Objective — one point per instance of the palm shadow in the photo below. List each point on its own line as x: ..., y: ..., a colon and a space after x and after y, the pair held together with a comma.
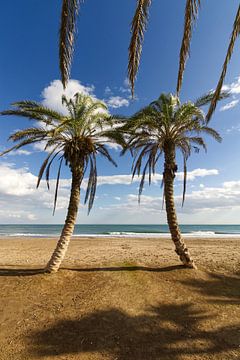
x: 127, y: 268
x: 222, y: 289
x: 21, y: 271
x: 164, y: 332
x: 29, y: 272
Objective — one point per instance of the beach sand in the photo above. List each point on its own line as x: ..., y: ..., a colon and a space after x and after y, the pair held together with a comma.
x: 120, y: 298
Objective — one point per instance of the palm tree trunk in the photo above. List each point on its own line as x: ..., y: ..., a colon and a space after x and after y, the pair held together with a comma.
x: 170, y: 169
x: 67, y: 231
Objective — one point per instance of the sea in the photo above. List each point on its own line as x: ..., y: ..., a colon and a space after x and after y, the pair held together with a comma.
x: 154, y: 231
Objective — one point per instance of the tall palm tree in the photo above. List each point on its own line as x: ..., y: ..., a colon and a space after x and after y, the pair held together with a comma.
x: 161, y: 129
x: 77, y: 139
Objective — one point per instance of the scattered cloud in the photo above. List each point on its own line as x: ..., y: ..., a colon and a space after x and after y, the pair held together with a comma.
x: 52, y: 94
x: 117, y: 102
x: 126, y: 83
x: 229, y: 105
x: 209, y: 200
x: 21, y: 201
x: 128, y: 180
x: 234, y: 87
x: 108, y: 91
x: 234, y: 128
x: 19, y: 152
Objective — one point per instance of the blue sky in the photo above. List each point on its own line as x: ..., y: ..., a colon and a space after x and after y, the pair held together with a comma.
x: 29, y: 70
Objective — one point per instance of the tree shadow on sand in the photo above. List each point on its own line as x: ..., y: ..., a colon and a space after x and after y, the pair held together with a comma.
x: 222, y: 289
x: 20, y: 271
x: 33, y: 271
x: 165, y: 332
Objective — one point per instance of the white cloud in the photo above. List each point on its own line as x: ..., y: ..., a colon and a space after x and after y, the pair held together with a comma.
x: 107, y: 91
x: 117, y: 102
x: 22, y: 202
x: 229, y: 105
x: 234, y: 128
x: 208, y: 203
x: 127, y: 179
x: 126, y: 83
x: 234, y: 87
x: 52, y: 94
x: 19, y: 152
x: 124, y: 90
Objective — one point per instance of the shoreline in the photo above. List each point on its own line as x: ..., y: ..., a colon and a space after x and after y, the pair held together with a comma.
x: 163, y: 236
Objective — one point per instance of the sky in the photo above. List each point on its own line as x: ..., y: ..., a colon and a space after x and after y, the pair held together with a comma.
x: 29, y: 71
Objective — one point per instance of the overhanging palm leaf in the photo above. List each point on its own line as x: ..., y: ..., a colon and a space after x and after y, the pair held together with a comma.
x: 138, y: 28
x: 70, y: 10
x: 235, y: 34
x: 191, y: 12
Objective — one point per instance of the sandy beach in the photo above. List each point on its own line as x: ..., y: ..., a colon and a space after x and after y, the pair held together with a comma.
x: 216, y: 254
x: 119, y: 298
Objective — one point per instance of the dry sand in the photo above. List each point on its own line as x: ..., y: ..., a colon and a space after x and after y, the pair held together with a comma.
x: 210, y: 254
x: 125, y: 299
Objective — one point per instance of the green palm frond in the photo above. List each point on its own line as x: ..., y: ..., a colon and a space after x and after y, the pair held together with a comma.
x: 235, y: 34
x: 138, y: 28
x: 208, y: 97
x: 165, y: 124
x: 191, y: 12
x: 76, y: 138
x: 69, y: 14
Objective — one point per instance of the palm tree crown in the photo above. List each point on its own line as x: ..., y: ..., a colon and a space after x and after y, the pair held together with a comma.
x: 76, y: 137
x: 164, y: 127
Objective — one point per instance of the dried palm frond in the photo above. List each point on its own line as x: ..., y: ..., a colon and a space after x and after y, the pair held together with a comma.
x: 69, y: 14
x: 235, y: 34
x: 138, y: 28
x: 191, y: 12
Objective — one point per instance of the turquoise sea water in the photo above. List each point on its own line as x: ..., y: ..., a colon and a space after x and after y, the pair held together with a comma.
x: 120, y: 230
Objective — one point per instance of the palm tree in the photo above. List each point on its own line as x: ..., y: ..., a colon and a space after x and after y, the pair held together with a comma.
x: 161, y: 129
x: 77, y: 139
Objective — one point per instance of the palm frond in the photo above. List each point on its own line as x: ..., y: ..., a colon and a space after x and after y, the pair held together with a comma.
x: 138, y: 28
x: 44, y: 164
x: 208, y: 97
x: 69, y: 14
x: 191, y: 12
x: 184, y: 179
x: 57, y: 185
x: 92, y: 183
x: 235, y: 34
